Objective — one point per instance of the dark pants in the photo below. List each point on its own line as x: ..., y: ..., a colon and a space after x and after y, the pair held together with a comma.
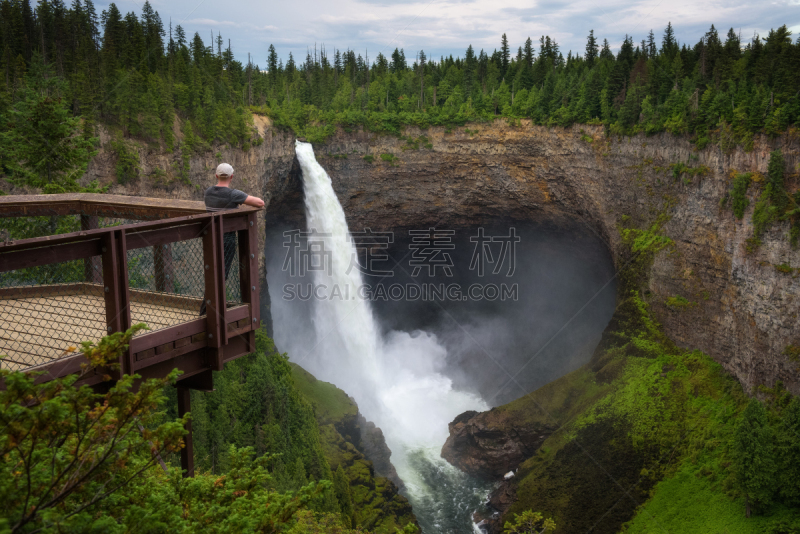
x: 229, y: 244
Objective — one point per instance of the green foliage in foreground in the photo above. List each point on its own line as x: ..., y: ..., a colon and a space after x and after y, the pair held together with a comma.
x: 65, y: 449
x: 255, y: 403
x: 529, y: 522
x: 75, y: 460
x: 281, y: 412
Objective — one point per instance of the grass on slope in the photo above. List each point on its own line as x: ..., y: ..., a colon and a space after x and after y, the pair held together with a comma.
x: 690, y: 503
x: 330, y: 403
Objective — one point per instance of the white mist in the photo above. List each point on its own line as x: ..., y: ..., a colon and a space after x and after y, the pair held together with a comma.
x: 396, y: 380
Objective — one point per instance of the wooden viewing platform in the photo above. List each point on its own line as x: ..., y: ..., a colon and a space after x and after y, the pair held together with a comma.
x: 130, y: 260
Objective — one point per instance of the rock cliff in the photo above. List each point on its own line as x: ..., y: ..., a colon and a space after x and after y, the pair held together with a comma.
x: 743, y: 311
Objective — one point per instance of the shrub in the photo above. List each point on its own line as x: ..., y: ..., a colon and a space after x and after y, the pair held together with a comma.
x: 764, y: 213
x: 754, y: 457
x: 65, y: 448
x: 679, y: 303
x: 75, y: 460
x: 390, y: 158
x: 751, y: 244
x: 792, y: 352
x: 738, y: 194
x: 127, y: 166
x: 529, y: 522
x: 679, y: 169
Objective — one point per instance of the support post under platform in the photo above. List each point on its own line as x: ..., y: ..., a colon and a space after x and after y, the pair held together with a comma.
x: 187, y: 453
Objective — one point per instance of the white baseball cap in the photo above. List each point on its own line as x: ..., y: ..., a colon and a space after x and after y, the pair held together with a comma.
x: 223, y: 169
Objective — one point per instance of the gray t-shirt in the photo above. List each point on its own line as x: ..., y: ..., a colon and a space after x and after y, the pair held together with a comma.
x: 223, y: 198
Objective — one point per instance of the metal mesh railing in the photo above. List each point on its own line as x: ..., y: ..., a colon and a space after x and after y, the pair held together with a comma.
x: 167, y: 282
x: 14, y: 228
x: 46, y: 311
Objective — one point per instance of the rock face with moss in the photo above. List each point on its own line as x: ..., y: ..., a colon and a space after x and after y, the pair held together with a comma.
x: 478, y: 446
x: 374, y: 447
x: 356, y: 446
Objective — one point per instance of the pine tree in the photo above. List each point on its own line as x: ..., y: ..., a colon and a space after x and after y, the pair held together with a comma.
x: 652, y: 50
x: 421, y: 67
x: 669, y: 46
x: 272, y: 61
x: 605, y: 52
x: 527, y: 53
x: 398, y: 61
x: 341, y: 487
x: 505, y: 53
x: 755, y: 457
x: 775, y: 172
x: 470, y: 66
x: 290, y: 65
x: 591, y: 49
x: 789, y: 453
x: 44, y: 145
x: 180, y: 36
x: 337, y: 62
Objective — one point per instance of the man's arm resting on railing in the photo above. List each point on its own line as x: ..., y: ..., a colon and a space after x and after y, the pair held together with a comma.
x: 254, y: 201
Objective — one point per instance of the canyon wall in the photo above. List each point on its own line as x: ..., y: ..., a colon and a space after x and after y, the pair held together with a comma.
x: 743, y: 311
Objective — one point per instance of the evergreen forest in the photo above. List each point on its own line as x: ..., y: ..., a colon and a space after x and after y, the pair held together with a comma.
x: 139, y: 74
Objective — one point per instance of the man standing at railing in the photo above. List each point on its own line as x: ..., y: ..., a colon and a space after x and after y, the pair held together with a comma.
x: 222, y: 197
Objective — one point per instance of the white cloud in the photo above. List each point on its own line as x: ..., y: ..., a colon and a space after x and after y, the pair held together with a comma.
x: 211, y: 22
x: 442, y: 27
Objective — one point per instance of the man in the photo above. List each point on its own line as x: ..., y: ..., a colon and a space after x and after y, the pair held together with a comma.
x: 221, y: 197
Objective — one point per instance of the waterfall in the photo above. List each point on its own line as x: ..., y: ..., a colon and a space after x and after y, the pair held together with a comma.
x: 396, y: 379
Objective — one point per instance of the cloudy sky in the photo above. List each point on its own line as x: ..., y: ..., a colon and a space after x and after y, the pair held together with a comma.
x: 443, y: 27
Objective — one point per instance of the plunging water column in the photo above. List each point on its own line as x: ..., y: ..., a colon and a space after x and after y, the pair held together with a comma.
x: 395, y: 379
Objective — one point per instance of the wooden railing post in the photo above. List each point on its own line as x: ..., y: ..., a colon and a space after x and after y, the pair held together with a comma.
x: 91, y: 266
x: 248, y: 273
x: 215, y: 307
x: 115, y: 289
x: 222, y: 286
